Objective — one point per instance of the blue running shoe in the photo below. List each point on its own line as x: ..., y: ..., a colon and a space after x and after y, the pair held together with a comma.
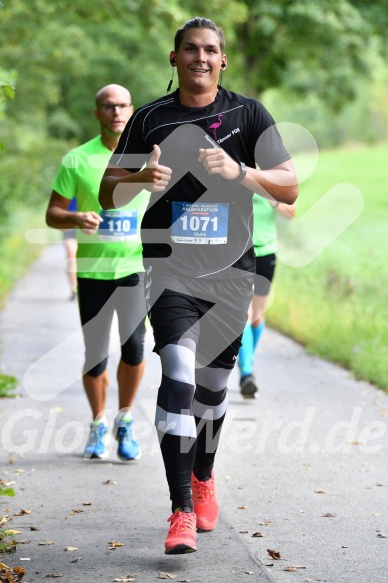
x: 96, y: 447
x: 128, y: 448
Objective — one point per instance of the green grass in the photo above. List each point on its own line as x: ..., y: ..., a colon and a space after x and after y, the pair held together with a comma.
x: 7, y: 545
x: 336, y: 305
x: 7, y: 386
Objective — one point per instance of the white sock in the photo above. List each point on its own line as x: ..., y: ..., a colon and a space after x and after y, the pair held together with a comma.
x: 100, y: 420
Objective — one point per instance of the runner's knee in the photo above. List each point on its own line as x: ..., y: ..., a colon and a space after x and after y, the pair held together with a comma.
x: 97, y: 370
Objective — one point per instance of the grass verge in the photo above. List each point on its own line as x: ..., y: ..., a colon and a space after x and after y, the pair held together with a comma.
x: 335, y: 304
x: 7, y: 386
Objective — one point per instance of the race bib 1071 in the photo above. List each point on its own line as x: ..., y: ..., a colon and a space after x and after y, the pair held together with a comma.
x: 199, y: 223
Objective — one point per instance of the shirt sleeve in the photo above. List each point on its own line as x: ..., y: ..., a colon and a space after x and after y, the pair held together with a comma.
x: 65, y: 182
x: 131, y: 153
x: 268, y: 147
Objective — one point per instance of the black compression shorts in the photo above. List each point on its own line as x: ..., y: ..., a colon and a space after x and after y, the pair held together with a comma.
x: 211, y: 312
x: 98, y: 300
x: 265, y: 269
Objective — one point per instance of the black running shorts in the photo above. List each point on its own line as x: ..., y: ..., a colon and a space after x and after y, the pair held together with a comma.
x: 211, y: 312
x: 265, y: 269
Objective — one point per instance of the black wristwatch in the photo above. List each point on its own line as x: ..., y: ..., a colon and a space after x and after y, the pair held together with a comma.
x: 243, y: 172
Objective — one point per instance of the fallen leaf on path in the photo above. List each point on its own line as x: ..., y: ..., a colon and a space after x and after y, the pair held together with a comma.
x: 241, y: 507
x: 344, y: 547
x: 257, y: 534
x: 35, y: 528
x: 11, y: 575
x: 265, y: 522
x: 3, y: 520
x: 320, y: 491
x: 163, y: 575
x: 53, y: 575
x: 86, y: 503
x: 47, y: 542
x: 382, y: 535
x: 11, y: 531
x: 110, y: 482
x: 274, y: 554
x: 124, y: 579
x: 328, y: 515
x: 113, y: 544
x: 76, y: 560
x: 243, y: 532
x: 249, y: 572
x: 23, y: 512
x: 70, y: 549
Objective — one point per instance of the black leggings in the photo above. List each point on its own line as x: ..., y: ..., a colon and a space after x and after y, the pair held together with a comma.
x: 191, y: 408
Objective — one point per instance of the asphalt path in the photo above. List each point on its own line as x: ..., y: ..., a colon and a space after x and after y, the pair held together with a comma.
x: 301, y: 471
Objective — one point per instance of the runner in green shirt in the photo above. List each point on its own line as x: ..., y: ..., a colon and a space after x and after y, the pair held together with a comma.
x: 265, y: 245
x: 110, y: 272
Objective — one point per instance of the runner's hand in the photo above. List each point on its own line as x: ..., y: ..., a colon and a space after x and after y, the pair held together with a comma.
x: 89, y: 222
x: 155, y: 176
x: 217, y: 161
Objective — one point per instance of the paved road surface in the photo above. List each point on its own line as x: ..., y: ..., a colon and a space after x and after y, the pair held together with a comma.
x: 305, y: 464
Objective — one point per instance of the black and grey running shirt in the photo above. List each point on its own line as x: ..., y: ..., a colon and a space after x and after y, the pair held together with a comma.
x: 202, y: 224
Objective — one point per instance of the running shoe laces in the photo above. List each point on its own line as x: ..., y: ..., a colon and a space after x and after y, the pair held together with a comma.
x: 98, y: 440
x: 182, y: 536
x: 128, y: 447
x: 205, y: 502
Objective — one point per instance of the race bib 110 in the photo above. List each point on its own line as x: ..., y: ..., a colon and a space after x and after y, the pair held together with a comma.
x: 118, y: 225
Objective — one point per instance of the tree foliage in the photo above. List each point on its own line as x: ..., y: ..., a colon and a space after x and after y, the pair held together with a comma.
x: 7, y: 90
x: 309, y: 47
x: 63, y: 53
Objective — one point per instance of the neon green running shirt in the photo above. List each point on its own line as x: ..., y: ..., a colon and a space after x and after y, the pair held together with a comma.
x: 264, y: 227
x: 115, y: 250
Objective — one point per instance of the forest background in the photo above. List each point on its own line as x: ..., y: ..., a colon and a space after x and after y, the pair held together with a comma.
x: 319, y: 64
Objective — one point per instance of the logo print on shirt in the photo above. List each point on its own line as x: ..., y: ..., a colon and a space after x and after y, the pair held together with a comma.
x: 216, y: 125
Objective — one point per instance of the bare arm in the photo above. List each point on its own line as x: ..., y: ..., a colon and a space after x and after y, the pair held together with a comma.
x: 278, y: 183
x: 119, y: 186
x: 288, y: 211
x: 58, y: 217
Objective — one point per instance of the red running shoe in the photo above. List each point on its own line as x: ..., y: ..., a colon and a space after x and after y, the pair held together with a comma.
x: 205, y: 502
x: 182, y: 536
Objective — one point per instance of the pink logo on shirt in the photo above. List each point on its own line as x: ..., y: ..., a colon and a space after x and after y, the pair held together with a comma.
x: 216, y: 125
